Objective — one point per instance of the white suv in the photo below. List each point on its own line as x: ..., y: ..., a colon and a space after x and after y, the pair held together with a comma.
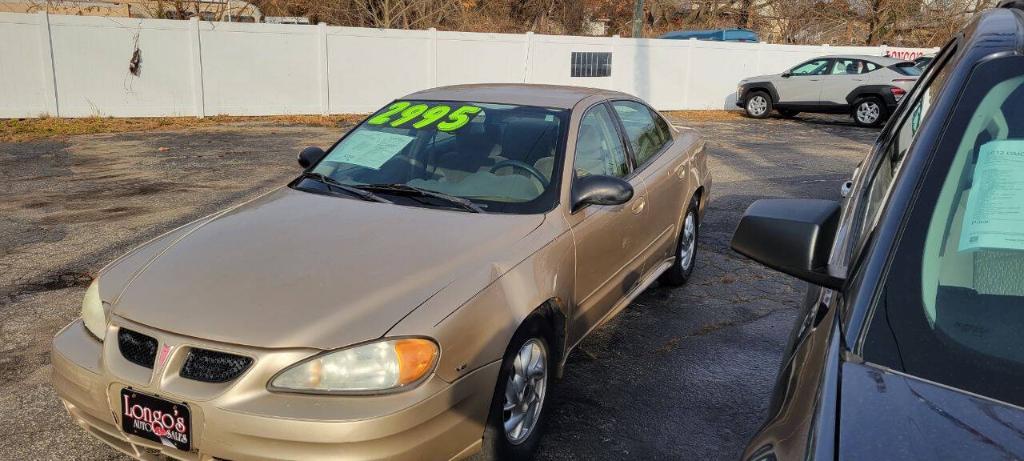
x: 866, y: 87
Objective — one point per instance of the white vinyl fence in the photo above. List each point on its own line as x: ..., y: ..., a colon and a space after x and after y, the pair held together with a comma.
x: 78, y: 66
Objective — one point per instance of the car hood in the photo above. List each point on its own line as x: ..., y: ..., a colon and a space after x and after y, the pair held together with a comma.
x: 887, y: 415
x: 294, y: 269
x: 761, y: 78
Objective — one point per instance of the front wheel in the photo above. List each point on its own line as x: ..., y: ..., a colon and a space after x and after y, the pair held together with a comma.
x: 518, y: 408
x: 870, y: 112
x: 759, y: 105
x: 686, y: 250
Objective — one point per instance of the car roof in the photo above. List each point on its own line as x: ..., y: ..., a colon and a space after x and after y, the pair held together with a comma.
x: 993, y: 31
x: 523, y: 94
x: 880, y: 60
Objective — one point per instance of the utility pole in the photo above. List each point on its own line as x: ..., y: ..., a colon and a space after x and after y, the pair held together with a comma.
x: 638, y: 19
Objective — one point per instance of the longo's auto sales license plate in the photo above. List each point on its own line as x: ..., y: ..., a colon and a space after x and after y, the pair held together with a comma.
x: 156, y: 419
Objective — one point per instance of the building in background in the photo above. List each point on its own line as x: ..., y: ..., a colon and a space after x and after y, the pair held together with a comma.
x: 286, y: 20
x: 596, y: 27
x: 206, y: 10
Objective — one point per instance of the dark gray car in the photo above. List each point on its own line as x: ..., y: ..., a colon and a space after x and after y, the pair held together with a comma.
x: 910, y: 345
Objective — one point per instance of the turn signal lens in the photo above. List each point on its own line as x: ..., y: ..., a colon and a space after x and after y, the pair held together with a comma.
x: 415, y: 358
x: 374, y: 367
x: 93, y: 314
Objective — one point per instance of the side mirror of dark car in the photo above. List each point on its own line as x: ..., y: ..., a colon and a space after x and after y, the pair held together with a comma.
x: 600, y: 190
x: 793, y: 236
x: 310, y: 155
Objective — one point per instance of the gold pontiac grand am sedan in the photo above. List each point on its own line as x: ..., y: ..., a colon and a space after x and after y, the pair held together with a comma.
x: 411, y: 295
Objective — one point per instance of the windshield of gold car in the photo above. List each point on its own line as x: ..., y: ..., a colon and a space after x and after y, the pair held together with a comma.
x: 494, y: 158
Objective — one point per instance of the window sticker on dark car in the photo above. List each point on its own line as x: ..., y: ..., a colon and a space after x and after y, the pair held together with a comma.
x: 994, y: 218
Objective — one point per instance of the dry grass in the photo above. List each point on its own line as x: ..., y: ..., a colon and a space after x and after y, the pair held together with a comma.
x: 19, y: 130
x: 704, y: 115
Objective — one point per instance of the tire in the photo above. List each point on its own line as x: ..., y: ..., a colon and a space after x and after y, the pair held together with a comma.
x: 682, y: 265
x: 788, y: 113
x: 499, y: 444
x: 759, y: 104
x: 870, y: 112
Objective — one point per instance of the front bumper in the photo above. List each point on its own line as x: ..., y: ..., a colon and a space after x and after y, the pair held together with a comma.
x: 242, y: 420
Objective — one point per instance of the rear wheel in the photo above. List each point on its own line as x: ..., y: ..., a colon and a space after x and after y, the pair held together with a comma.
x: 870, y: 112
x: 518, y: 409
x: 759, y: 104
x: 686, y: 250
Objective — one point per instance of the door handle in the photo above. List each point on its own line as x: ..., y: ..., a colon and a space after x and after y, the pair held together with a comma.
x: 638, y: 207
x: 679, y: 171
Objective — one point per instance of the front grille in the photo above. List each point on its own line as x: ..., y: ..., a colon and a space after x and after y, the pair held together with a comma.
x: 137, y: 347
x: 212, y: 366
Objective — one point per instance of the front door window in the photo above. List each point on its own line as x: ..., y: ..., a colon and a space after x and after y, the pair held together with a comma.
x: 816, y: 67
x: 599, y: 148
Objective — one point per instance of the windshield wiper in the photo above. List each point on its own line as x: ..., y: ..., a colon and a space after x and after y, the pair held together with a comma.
x: 405, y: 189
x: 332, y: 184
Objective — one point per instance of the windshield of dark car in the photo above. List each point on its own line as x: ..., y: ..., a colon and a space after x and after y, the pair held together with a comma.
x: 501, y: 157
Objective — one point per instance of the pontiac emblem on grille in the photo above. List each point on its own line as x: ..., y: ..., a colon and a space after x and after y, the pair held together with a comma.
x: 164, y: 352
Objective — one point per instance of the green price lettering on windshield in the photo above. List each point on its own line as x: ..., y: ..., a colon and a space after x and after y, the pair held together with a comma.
x: 434, y: 114
x: 428, y: 115
x: 410, y: 113
x: 385, y: 116
x: 459, y: 118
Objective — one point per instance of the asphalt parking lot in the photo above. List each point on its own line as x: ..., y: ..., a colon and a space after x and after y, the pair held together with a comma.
x: 680, y: 374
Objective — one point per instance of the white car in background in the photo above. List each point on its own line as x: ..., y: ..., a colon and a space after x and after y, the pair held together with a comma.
x: 866, y: 87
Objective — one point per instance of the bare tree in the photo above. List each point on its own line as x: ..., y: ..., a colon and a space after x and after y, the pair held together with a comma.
x: 860, y: 22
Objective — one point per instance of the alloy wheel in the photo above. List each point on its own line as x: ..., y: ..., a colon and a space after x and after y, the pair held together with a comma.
x: 525, y: 390
x: 868, y: 112
x: 689, y: 243
x: 758, y: 105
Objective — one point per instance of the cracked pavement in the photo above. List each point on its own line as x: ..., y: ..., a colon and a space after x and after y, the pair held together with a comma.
x: 680, y: 374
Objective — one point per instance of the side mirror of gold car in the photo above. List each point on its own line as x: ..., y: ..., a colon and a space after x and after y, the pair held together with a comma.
x: 600, y: 190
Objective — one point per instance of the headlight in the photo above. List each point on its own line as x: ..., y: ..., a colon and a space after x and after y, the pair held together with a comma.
x: 92, y: 311
x: 374, y: 367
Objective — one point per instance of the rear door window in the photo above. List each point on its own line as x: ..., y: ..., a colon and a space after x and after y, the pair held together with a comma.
x: 646, y: 131
x: 906, y: 68
x: 848, y: 67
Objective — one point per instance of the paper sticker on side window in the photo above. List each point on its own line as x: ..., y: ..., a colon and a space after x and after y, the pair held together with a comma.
x: 994, y: 218
x: 370, y: 149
